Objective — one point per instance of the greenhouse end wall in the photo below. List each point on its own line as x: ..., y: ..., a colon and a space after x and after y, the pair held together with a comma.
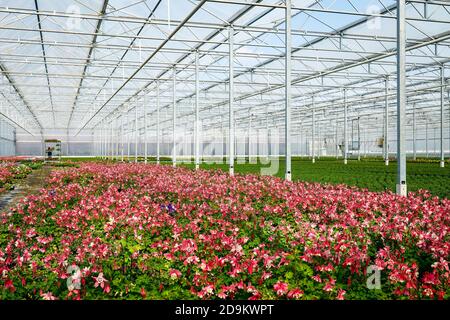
x: 87, y: 145
x: 29, y: 145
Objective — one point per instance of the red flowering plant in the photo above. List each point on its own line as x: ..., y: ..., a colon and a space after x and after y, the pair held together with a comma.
x: 140, y: 231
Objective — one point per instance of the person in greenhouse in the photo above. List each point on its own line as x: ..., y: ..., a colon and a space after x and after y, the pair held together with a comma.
x: 49, y: 152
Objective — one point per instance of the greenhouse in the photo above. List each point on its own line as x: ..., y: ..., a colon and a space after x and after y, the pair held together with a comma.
x: 224, y: 149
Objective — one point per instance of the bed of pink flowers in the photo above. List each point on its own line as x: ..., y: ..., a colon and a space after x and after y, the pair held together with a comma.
x: 10, y: 170
x: 133, y: 231
x: 5, y: 173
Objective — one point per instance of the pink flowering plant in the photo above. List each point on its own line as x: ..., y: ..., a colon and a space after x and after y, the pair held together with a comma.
x: 11, y: 170
x: 140, y: 231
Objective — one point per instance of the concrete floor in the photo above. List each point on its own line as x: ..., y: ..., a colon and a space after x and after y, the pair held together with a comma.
x: 28, y: 186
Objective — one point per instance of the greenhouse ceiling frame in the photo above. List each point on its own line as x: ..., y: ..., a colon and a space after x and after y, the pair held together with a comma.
x: 225, y: 67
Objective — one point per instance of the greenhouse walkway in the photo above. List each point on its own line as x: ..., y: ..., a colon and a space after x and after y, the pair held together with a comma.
x: 30, y: 185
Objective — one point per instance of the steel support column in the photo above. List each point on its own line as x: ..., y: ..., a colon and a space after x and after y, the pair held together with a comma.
x: 174, y: 118
x: 250, y: 140
x: 197, y: 120
x: 111, y: 139
x: 313, y: 132
x: 359, y: 139
x: 157, y: 123
x: 386, y: 121
x: 401, y: 187
x: 288, y: 83
x: 136, y: 131
x: 267, y: 136
x: 121, y: 136
x: 117, y: 138
x: 128, y: 135
x: 414, y: 133
x: 145, y: 128
x: 442, y: 162
x: 345, y: 128
x: 426, y: 137
x: 100, y: 140
x: 336, y: 139
x: 231, y: 123
x: 106, y: 140
x: 103, y: 140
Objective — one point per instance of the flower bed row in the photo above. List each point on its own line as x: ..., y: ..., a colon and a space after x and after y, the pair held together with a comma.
x: 10, y: 171
x: 132, y: 231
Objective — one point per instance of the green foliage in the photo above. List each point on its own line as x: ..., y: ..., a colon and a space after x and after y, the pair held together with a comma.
x: 34, y: 165
x: 65, y: 164
x: 371, y: 173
